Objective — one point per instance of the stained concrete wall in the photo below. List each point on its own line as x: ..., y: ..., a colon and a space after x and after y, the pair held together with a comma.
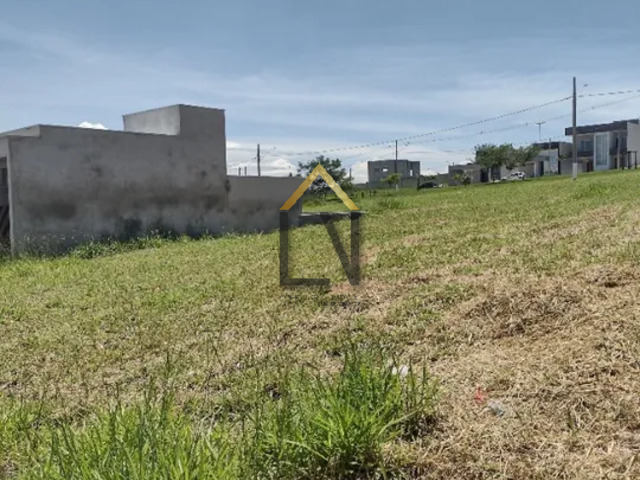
x: 166, y: 171
x: 71, y: 185
x: 474, y: 172
x: 189, y: 122
x: 33, y: 131
x: 4, y: 155
x: 566, y: 166
x: 633, y: 142
x: 162, y: 121
x: 4, y: 189
x: 378, y: 170
x: 254, y: 202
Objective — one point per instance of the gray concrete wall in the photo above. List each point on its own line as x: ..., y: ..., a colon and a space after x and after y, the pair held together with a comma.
x: 566, y: 166
x: 254, y: 202
x: 528, y: 169
x: 4, y: 155
x: 72, y: 185
x: 187, y: 121
x: 4, y: 189
x: 564, y: 149
x: 442, y: 178
x: 162, y: 121
x: 406, y: 168
x: 633, y: 142
x: 4, y: 147
x: 33, y: 131
x: 166, y: 172
x: 472, y: 171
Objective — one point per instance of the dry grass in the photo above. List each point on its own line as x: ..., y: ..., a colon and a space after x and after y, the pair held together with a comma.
x: 527, y: 292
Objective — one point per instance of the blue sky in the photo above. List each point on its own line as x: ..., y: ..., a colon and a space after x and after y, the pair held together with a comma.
x: 301, y: 76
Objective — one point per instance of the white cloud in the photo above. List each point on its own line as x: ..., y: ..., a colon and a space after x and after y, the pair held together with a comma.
x: 96, y: 126
x: 359, y: 172
x: 338, y: 106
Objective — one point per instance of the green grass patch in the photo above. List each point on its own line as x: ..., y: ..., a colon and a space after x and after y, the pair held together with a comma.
x: 83, y: 332
x: 309, y: 424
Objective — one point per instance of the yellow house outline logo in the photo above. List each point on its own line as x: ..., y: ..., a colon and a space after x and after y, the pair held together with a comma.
x: 319, y: 171
x: 351, y: 265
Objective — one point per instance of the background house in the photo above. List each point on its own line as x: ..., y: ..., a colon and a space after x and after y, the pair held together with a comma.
x: 550, y: 158
x: 378, y: 170
x: 607, y: 146
x: 165, y: 171
x: 477, y: 173
x: 553, y: 158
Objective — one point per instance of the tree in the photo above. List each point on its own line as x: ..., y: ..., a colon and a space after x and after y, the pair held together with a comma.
x: 521, y: 156
x: 492, y: 157
x: 462, y: 178
x: 393, y: 179
x: 333, y: 168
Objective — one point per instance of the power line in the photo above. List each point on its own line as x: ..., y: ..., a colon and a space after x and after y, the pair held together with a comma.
x: 528, y: 124
x: 434, y: 132
x: 603, y: 94
x: 388, y: 144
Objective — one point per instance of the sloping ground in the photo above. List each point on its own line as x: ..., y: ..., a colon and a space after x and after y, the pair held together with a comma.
x: 521, y: 298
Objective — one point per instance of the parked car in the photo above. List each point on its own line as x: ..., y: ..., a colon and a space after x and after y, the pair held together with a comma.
x: 514, y: 176
x: 429, y: 185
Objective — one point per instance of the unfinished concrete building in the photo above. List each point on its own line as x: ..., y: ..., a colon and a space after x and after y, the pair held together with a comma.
x: 166, y: 171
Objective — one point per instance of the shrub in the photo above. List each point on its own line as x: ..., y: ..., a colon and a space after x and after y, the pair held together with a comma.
x: 336, y: 427
x: 313, y: 425
x: 145, y: 442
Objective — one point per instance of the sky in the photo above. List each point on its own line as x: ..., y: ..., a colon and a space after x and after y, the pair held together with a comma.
x: 304, y: 78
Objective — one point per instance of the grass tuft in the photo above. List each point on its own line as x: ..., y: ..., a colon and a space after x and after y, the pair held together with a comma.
x: 314, y: 425
x: 337, y: 427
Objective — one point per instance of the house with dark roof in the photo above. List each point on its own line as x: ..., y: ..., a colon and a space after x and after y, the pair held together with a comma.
x: 607, y: 146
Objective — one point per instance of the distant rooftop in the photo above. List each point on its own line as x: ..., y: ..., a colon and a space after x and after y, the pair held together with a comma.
x: 389, y: 160
x: 549, y: 145
x: 602, y: 127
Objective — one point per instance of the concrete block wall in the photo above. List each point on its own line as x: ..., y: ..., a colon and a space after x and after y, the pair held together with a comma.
x: 633, y: 142
x: 378, y: 170
x: 4, y: 188
x: 254, y: 202
x: 72, y: 185
x: 166, y: 171
x: 161, y: 121
x: 566, y: 166
x: 4, y: 147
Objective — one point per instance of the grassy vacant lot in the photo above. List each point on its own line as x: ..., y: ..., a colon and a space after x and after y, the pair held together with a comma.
x: 522, y: 296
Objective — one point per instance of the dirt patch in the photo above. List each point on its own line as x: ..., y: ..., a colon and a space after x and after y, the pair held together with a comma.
x: 610, y: 276
x: 369, y: 255
x: 557, y: 361
x: 534, y: 309
x: 412, y: 240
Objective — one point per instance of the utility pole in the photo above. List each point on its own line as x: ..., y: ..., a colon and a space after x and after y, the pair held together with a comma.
x: 396, y: 164
x: 539, y: 130
x: 349, y: 173
x: 575, y: 130
x: 258, y: 158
